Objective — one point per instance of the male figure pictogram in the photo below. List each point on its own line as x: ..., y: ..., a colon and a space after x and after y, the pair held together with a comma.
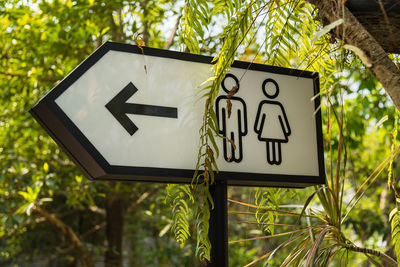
x: 232, y: 119
x: 271, y: 123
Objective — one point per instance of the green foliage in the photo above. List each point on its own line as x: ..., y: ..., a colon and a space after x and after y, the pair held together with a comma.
x: 394, y: 216
x: 42, y: 41
x: 178, y: 196
x: 271, y: 198
x: 292, y: 41
x: 394, y: 219
x: 202, y: 217
x: 392, y: 148
x: 194, y: 19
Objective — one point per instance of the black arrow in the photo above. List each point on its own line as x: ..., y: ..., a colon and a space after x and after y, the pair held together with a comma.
x: 119, y: 108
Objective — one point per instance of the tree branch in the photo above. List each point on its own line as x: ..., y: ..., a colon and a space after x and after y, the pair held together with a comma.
x: 25, y: 224
x: 10, y: 74
x: 170, y: 41
x: 146, y: 34
x: 85, y: 256
x: 379, y: 254
x: 145, y: 195
x: 352, y: 32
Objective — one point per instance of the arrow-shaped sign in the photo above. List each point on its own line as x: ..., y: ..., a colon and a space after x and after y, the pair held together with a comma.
x: 119, y: 108
x: 90, y: 112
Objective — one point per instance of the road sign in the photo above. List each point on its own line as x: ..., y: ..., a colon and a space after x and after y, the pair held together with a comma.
x: 129, y: 114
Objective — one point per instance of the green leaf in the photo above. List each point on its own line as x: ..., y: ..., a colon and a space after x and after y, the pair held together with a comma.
x: 176, y: 197
x: 46, y: 167
x: 212, y: 139
x: 22, y: 209
x: 394, y: 219
x: 308, y: 202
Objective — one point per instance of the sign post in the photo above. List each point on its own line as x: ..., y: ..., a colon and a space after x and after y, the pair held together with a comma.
x: 129, y: 113
x: 218, y: 231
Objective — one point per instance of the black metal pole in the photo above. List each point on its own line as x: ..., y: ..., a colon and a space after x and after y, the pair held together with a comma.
x: 218, y: 231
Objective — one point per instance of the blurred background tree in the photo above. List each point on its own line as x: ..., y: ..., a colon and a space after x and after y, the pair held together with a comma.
x: 53, y: 216
x: 50, y: 214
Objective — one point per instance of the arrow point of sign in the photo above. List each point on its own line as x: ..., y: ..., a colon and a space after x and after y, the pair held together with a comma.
x: 117, y: 108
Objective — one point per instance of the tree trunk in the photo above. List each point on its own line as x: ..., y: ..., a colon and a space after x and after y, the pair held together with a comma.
x: 353, y: 33
x: 114, y: 228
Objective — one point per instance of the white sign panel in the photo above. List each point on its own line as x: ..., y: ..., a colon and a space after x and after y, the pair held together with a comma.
x: 128, y: 114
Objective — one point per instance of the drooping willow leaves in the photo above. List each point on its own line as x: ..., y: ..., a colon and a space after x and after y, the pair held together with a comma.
x: 284, y: 28
x: 241, y: 18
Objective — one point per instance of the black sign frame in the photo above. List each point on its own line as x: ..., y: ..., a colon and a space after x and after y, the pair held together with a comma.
x: 95, y: 166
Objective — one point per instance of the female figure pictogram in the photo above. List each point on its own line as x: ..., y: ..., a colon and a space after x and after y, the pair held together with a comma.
x: 271, y: 123
x: 232, y: 120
